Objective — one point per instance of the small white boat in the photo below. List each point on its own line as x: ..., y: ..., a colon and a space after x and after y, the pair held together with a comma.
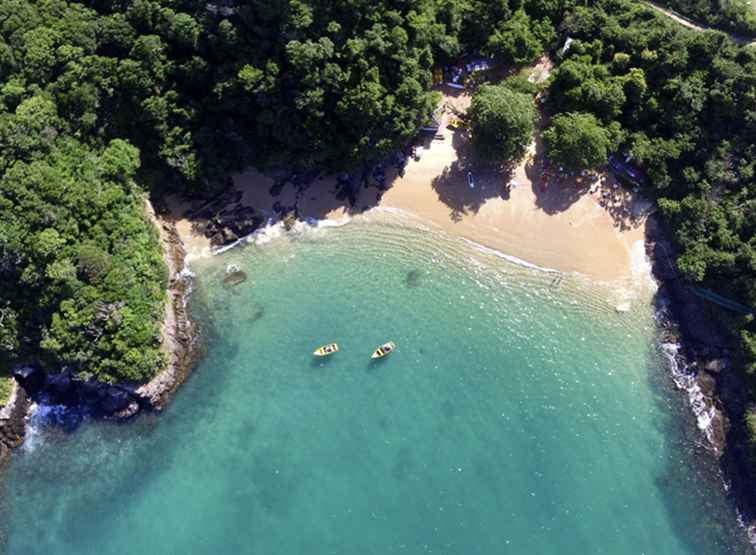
x: 470, y: 180
x: 326, y: 350
x: 384, y: 350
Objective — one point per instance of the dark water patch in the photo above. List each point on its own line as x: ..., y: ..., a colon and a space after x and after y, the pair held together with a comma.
x: 413, y: 278
x: 448, y: 409
x: 256, y: 313
x: 274, y: 489
x: 383, y: 423
x: 403, y: 465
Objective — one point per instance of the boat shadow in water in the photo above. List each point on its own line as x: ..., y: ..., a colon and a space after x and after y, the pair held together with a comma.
x: 376, y: 363
x: 320, y: 362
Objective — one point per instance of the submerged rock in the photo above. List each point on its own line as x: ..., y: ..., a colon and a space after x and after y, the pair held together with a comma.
x: 235, y: 278
x: 412, y: 279
x: 289, y: 220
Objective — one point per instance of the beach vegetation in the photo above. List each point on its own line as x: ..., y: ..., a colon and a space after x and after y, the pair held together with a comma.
x: 6, y: 387
x: 577, y: 141
x: 502, y: 121
x: 520, y: 39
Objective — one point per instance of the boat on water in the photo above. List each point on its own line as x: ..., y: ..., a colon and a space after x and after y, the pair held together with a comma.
x: 326, y: 350
x: 384, y: 350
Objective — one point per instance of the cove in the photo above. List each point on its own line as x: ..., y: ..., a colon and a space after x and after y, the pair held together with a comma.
x: 519, y: 414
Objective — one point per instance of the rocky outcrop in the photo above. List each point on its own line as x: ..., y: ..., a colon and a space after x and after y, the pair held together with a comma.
x: 225, y: 219
x: 703, y: 363
x: 65, y: 388
x: 12, y: 423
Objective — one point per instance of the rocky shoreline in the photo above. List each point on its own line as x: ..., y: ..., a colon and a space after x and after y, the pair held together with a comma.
x: 12, y: 423
x: 703, y: 363
x: 179, y: 332
x: 121, y: 401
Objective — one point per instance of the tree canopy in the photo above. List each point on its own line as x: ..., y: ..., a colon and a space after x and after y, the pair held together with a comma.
x: 577, y: 141
x: 501, y: 122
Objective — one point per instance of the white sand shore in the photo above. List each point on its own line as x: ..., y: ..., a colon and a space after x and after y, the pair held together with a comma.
x: 562, y: 226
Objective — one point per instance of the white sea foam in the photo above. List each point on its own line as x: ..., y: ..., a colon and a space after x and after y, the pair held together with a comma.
x: 326, y: 222
x: 32, y: 436
x: 186, y: 272
x: 702, y: 407
x: 509, y: 257
x: 640, y: 266
x: 275, y: 229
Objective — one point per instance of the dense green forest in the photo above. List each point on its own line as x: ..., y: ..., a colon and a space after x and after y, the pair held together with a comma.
x: 100, y: 100
x: 733, y: 16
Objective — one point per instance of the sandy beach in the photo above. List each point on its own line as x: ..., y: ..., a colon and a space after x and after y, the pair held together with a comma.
x: 586, y: 224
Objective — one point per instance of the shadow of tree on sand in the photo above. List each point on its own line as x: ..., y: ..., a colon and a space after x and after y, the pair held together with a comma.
x: 452, y: 187
x: 556, y: 191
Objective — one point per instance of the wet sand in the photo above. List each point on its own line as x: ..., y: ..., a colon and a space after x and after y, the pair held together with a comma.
x: 556, y: 223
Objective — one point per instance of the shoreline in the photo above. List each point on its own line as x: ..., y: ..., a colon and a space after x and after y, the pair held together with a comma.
x: 587, y: 224
x: 179, y: 334
x: 702, y: 364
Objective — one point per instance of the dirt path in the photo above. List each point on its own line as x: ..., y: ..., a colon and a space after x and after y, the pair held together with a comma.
x: 695, y: 26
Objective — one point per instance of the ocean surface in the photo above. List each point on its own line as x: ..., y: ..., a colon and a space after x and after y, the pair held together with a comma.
x: 521, y: 413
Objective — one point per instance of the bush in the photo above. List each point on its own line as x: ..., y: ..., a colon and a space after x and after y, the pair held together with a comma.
x: 502, y: 122
x: 577, y: 141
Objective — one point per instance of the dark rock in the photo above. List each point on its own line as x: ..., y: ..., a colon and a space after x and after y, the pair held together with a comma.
x: 30, y: 377
x: 715, y: 365
x: 229, y: 236
x: 115, y: 399
x: 235, y: 278
x: 707, y: 383
x: 245, y: 226
x: 289, y: 220
x: 217, y: 240
x: 61, y: 389
x: 91, y: 392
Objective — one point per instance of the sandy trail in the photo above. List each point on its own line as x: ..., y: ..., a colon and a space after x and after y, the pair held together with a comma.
x: 682, y: 20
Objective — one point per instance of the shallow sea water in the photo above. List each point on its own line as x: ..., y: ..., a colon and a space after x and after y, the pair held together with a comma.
x: 516, y: 416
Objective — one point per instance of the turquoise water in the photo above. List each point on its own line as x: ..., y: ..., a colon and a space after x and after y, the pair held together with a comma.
x: 514, y: 417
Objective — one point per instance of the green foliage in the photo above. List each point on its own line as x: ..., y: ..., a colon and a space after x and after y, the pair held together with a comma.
x: 750, y: 421
x: 520, y: 40
x: 6, y: 388
x: 501, y: 121
x: 519, y: 83
x: 86, y: 284
x: 577, y: 141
